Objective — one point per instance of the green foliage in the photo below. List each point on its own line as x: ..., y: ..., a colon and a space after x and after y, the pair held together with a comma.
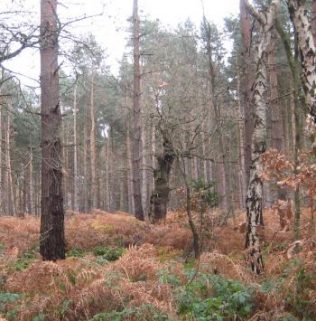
x: 107, y: 253
x: 288, y: 318
x: 24, y: 260
x: 39, y: 317
x: 213, y: 298
x: 65, y: 306
x: 7, y: 300
x: 205, y: 192
x: 299, y: 299
x: 145, y: 312
x: 166, y: 277
x: 75, y: 252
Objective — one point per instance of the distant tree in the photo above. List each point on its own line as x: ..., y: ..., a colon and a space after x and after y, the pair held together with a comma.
x: 136, y: 132
x: 52, y: 238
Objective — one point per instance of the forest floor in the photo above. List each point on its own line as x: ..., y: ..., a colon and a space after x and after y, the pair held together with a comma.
x: 118, y: 268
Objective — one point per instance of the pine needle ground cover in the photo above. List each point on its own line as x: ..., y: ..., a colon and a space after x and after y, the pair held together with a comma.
x: 118, y: 268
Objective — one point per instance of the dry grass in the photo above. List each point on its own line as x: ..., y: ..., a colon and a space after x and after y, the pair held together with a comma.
x: 78, y: 288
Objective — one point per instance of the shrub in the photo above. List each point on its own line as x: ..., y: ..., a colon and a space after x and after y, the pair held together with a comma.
x: 145, y: 312
x: 75, y: 252
x: 108, y: 254
x: 213, y: 298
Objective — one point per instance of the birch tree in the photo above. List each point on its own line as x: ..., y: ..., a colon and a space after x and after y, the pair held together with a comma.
x: 254, y: 200
x: 303, y: 29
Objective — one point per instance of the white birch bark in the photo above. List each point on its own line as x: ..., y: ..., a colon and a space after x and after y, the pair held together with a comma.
x: 303, y: 28
x: 254, y: 198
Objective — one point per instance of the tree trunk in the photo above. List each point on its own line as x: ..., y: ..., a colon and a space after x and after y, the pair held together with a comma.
x: 131, y: 207
x: 160, y: 195
x: 314, y: 21
x: 224, y: 170
x: 276, y: 116
x: 303, y: 29
x: 11, y: 209
x: 76, y: 178
x: 136, y: 152
x: 86, y: 175
x: 241, y: 136
x: 1, y: 177
x: 93, y: 146
x: 31, y: 183
x: 254, y: 199
x: 52, y: 238
x: 246, y: 83
x: 144, y: 179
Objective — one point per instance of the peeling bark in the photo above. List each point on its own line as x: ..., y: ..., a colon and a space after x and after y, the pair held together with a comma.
x: 254, y: 198
x: 303, y: 29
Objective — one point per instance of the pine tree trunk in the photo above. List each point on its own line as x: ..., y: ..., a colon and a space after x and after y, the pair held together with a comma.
x: 254, y: 201
x: 276, y: 116
x: 52, y: 239
x: 31, y: 183
x: 93, y: 146
x: 131, y: 207
x: 107, y: 173
x: 1, y: 173
x: 241, y: 136
x: 144, y: 187
x: 246, y: 83
x: 85, y: 167
x: 136, y: 152
x: 10, y: 193
x: 224, y: 170
x: 75, y: 179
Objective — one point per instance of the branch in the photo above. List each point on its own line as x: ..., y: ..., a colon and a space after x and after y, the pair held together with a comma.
x: 256, y: 14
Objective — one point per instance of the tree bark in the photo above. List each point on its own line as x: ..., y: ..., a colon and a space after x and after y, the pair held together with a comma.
x: 314, y: 21
x: 31, y: 183
x: 76, y: 180
x: 93, y: 146
x: 246, y: 83
x: 224, y: 170
x: 303, y: 30
x: 254, y: 199
x: 11, y: 208
x: 52, y: 238
x: 131, y: 207
x: 1, y: 174
x: 160, y: 195
x: 144, y: 174
x: 276, y: 115
x: 136, y: 152
x: 86, y: 196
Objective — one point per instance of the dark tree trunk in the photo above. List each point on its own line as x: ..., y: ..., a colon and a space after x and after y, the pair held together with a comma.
x: 52, y: 239
x: 136, y: 135
x: 246, y: 83
x: 160, y: 196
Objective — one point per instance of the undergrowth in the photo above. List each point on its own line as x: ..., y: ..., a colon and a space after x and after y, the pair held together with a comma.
x: 120, y: 269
